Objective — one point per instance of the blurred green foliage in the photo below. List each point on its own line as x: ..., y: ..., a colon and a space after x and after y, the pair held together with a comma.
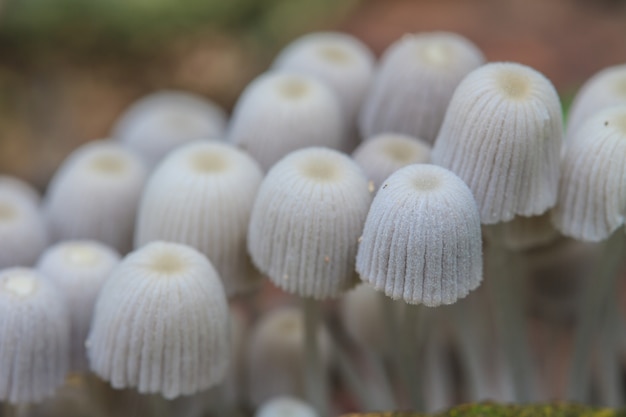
x: 495, y: 410
x: 76, y: 23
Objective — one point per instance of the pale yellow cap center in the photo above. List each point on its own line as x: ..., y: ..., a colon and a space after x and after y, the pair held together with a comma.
x: 209, y: 162
x: 426, y: 182
x: 437, y: 53
x: 20, y: 285
x: 167, y: 263
x: 399, y: 151
x: 81, y: 255
x: 293, y: 88
x: 319, y: 169
x: 620, y: 85
x: 334, y: 54
x: 513, y: 84
x: 108, y: 164
x: 7, y: 211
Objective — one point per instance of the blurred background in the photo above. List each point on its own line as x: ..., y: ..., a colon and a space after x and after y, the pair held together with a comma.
x: 68, y: 68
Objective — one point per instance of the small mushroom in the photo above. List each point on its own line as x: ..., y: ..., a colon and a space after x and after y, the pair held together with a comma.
x: 280, y: 112
x: 34, y: 337
x: 23, y: 235
x: 285, y: 407
x: 422, y: 240
x: 161, y: 323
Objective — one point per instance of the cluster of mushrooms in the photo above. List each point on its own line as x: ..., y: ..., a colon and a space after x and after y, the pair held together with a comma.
x: 362, y: 189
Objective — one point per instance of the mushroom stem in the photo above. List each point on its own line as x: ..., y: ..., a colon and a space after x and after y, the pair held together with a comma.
x: 411, y: 345
x: 509, y: 318
x: 610, y: 378
x: 315, y: 383
x: 383, y: 384
x: 600, y: 292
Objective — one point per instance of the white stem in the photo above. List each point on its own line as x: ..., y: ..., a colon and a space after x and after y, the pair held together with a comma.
x: 600, y: 291
x: 315, y: 382
x: 612, y: 388
x: 510, y: 321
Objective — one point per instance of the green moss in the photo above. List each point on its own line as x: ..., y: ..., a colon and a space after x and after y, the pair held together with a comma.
x: 495, y: 410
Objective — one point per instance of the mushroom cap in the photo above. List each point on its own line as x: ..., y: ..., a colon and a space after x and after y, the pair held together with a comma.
x: 34, y: 337
x: 592, y: 193
x: 159, y: 122
x: 422, y: 240
x: 275, y: 361
x: 604, y: 89
x: 382, y: 155
x: 306, y: 220
x: 280, y: 112
x: 285, y: 407
x: 342, y: 61
x: 414, y: 82
x: 201, y: 195
x: 94, y: 195
x: 502, y: 135
x: 78, y: 269
x: 23, y: 235
x: 161, y: 323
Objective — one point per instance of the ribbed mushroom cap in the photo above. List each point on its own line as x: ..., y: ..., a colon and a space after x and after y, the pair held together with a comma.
x: 34, y: 337
x: 502, y: 135
x: 338, y: 59
x: 592, y: 191
x: 280, y: 112
x: 161, y: 323
x: 94, y: 195
x: 605, y: 89
x: 159, y: 122
x: 414, y: 82
x: 422, y: 240
x: 78, y: 269
x: 23, y: 235
x: 382, y: 155
x: 306, y: 220
x: 363, y: 317
x: 522, y: 232
x: 285, y: 407
x: 275, y: 364
x: 14, y: 185
x: 201, y: 195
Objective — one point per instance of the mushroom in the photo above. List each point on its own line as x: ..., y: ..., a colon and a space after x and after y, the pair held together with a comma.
x: 161, y: 323
x: 502, y: 135
x: 94, y: 195
x: 34, y: 337
x: 338, y: 59
x: 414, y: 82
x: 285, y: 407
x: 280, y: 112
x: 160, y: 122
x: 78, y: 269
x: 14, y: 185
x: 201, y: 195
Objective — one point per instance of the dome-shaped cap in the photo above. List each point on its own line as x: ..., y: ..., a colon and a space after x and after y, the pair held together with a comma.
x: 306, y: 220
x: 159, y: 122
x: 94, y: 195
x: 285, y: 407
x: 34, y: 337
x: 592, y: 191
x: 161, y: 323
x: 275, y: 364
x: 606, y: 88
x: 381, y: 155
x: 280, y: 112
x: 414, y: 82
x: 502, y: 135
x: 201, y: 195
x: 338, y: 59
x: 422, y: 240
x: 78, y: 269
x: 23, y: 235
